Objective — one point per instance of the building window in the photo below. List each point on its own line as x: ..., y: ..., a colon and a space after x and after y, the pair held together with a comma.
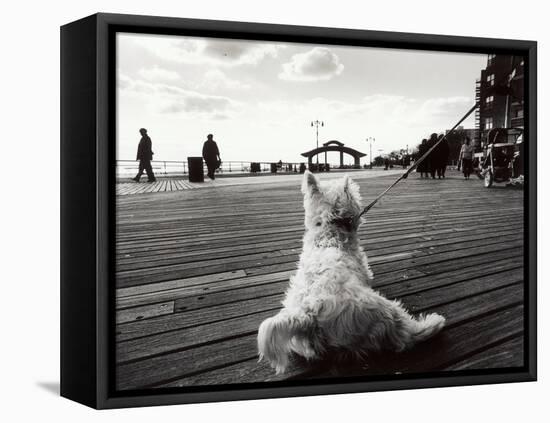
x: 491, y: 59
x: 489, y: 100
x: 489, y: 123
x: 491, y: 79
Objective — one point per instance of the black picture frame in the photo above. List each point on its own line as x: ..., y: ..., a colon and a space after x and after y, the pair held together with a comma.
x: 87, y: 205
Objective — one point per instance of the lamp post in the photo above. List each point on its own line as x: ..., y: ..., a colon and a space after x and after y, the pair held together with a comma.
x: 317, y: 123
x: 370, y: 140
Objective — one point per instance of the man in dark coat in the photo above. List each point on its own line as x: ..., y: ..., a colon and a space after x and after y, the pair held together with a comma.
x: 432, y: 157
x: 211, y: 155
x: 442, y: 157
x: 423, y: 166
x: 145, y: 155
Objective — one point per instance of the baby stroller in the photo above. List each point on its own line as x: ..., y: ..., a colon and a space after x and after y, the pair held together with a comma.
x: 500, y: 161
x: 498, y: 164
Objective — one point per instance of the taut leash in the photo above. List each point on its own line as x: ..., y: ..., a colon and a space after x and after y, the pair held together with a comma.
x: 417, y: 162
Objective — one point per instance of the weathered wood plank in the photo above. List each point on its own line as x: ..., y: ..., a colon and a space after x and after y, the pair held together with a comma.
x: 251, y: 371
x: 144, y: 312
x: 505, y: 355
x: 178, y: 283
x: 167, y: 341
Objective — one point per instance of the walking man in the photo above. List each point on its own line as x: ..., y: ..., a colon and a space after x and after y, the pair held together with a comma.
x: 145, y: 155
x: 211, y: 155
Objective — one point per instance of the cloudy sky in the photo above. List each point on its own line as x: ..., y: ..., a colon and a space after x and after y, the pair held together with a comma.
x: 258, y: 98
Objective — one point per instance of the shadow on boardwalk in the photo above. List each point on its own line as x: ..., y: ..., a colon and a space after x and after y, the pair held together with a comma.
x: 197, y: 272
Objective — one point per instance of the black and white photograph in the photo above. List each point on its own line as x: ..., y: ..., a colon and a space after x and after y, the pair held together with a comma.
x: 275, y: 212
x: 291, y: 212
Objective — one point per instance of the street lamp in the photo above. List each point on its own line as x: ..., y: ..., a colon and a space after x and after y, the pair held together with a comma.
x: 317, y: 123
x: 370, y: 140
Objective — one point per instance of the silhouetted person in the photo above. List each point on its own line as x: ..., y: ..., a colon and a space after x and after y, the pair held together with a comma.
x: 211, y: 155
x: 441, y: 156
x: 432, y: 158
x: 423, y: 166
x: 145, y: 155
x: 465, y: 158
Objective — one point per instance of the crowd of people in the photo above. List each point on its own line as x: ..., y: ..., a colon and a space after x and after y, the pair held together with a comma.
x: 435, y: 164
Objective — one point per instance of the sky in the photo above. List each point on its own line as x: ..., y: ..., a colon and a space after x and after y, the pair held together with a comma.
x: 259, y: 98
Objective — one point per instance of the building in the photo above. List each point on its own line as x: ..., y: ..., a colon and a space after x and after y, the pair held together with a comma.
x: 500, y: 95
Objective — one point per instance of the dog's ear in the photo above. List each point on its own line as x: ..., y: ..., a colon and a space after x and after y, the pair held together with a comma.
x: 310, y: 184
x: 351, y: 188
x: 347, y: 182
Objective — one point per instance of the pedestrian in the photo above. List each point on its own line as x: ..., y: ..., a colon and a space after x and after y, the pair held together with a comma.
x: 211, y: 155
x: 465, y: 158
x: 432, y: 158
x: 145, y: 155
x: 423, y: 165
x: 441, y: 156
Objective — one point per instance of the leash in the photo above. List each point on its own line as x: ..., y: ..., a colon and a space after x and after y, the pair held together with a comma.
x: 417, y: 162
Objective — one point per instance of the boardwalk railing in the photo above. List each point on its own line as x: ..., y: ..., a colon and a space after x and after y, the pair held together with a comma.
x: 126, y: 168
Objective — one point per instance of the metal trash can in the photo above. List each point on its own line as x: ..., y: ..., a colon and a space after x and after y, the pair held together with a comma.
x: 196, y: 170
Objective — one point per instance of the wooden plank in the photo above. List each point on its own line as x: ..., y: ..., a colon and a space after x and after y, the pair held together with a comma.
x: 143, y: 373
x: 250, y: 263
x: 394, y: 253
x: 453, y: 344
x: 200, y: 289
x: 502, y: 356
x: 219, y: 312
x: 178, y: 283
x: 144, y: 312
x: 216, y: 314
x: 192, y: 337
x: 182, y: 249
x: 163, y: 342
x: 164, y: 368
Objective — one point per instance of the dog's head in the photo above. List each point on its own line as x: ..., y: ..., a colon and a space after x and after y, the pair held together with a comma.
x: 331, y: 207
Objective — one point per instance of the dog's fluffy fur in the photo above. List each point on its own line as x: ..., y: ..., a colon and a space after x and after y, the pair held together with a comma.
x: 329, y: 305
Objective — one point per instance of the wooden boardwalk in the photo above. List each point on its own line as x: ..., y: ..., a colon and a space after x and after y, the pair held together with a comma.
x: 180, y: 183
x: 198, y: 271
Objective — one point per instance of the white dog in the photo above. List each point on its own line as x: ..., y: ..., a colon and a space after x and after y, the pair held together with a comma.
x: 329, y: 306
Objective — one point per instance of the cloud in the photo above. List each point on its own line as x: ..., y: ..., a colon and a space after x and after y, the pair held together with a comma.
x: 197, y: 103
x: 215, y: 79
x: 157, y: 74
x: 318, y: 64
x: 219, y: 52
x: 443, y: 107
x: 170, y: 99
x: 239, y: 52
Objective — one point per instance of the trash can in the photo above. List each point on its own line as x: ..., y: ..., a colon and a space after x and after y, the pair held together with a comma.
x: 196, y: 172
x: 255, y: 167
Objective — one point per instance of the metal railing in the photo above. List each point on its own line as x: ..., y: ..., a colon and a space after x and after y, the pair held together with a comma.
x: 129, y: 168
